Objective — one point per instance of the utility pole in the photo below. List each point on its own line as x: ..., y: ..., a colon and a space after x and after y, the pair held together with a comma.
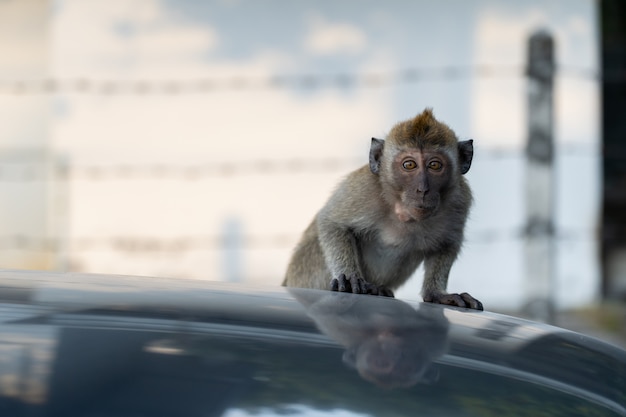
x: 540, y: 190
x: 232, y: 250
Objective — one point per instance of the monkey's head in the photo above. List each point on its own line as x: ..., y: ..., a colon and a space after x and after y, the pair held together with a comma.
x: 419, y: 164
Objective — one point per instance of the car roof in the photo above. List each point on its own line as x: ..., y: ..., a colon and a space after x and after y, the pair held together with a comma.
x: 292, y: 347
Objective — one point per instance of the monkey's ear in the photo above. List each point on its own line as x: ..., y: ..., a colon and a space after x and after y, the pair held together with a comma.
x: 466, y: 153
x: 376, y: 151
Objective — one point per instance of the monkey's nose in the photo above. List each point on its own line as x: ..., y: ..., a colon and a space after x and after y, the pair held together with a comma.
x: 422, y: 183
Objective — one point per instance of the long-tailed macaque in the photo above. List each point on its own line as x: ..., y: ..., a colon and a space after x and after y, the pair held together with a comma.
x: 408, y: 206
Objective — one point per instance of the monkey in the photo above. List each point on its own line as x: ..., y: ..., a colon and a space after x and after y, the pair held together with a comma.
x: 388, y: 342
x: 407, y: 206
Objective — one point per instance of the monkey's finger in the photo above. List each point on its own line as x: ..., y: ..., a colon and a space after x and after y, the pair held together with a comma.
x: 357, y: 284
x: 385, y: 292
x: 334, y: 284
x: 372, y: 289
x: 342, y: 283
x: 363, y: 287
x: 457, y: 300
x: 472, y: 302
x: 451, y: 300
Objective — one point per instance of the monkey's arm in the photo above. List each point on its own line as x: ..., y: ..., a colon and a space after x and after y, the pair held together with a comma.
x: 340, y: 251
x: 338, y: 224
x: 343, y: 260
x: 437, y: 266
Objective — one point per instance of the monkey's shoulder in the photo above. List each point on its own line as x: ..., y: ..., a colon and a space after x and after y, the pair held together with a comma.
x: 360, y: 183
x: 356, y: 200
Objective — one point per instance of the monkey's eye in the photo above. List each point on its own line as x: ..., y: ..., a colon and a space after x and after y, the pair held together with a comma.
x: 435, y: 165
x: 409, y: 165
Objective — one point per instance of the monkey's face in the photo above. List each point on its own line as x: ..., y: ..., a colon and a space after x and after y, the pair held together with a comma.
x: 421, y: 178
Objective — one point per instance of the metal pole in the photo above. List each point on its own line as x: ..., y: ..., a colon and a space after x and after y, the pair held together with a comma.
x: 539, y: 261
x: 61, y: 211
x: 232, y: 249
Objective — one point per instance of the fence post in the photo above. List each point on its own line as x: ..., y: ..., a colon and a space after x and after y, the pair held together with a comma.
x: 60, y: 206
x: 232, y: 248
x: 539, y: 231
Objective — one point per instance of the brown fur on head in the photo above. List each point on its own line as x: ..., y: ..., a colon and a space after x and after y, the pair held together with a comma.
x: 421, y: 131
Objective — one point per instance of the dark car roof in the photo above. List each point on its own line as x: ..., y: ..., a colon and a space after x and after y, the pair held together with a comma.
x: 103, y: 345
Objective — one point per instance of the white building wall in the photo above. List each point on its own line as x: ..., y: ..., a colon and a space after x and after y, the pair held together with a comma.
x: 25, y: 216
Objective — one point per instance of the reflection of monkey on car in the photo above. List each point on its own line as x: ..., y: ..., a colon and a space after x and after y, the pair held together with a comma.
x: 389, y: 342
x: 407, y: 207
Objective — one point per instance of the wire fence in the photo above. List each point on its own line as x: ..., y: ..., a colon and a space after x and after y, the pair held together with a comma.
x: 182, y: 244
x: 33, y: 172
x: 25, y: 172
x: 203, y: 85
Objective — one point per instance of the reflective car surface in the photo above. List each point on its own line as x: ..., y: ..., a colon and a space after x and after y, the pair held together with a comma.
x: 99, y: 345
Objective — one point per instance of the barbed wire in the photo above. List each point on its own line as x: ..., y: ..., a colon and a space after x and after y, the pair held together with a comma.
x: 32, y: 172
x: 373, y: 79
x: 135, y: 244
x: 218, y: 169
x: 183, y: 244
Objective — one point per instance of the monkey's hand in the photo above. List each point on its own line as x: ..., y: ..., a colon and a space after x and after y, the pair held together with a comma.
x: 459, y: 300
x: 357, y: 285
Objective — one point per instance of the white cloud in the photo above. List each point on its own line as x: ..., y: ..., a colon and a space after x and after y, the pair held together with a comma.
x: 332, y: 38
x: 580, y: 26
x: 499, y: 104
x: 187, y: 129
x: 500, y: 40
x: 128, y: 38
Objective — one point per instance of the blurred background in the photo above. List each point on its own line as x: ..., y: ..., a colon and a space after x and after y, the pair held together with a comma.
x: 197, y: 139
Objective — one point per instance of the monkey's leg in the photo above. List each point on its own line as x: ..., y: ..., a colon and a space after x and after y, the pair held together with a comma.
x: 436, y: 281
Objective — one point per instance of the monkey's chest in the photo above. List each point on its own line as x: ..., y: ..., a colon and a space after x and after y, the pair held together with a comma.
x: 405, y: 238
x: 389, y: 258
x: 393, y: 236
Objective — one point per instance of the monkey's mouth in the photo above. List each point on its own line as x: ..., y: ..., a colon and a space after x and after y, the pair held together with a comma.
x: 414, y: 212
x: 422, y: 211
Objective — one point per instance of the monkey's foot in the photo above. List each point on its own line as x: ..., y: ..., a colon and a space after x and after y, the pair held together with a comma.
x: 358, y: 285
x: 459, y: 300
